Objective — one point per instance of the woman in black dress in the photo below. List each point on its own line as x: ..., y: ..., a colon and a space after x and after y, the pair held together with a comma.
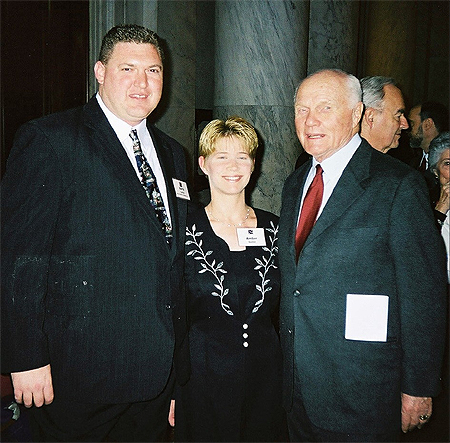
x: 232, y: 281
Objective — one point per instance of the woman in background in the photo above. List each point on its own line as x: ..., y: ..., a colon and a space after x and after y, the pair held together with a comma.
x: 439, y: 161
x: 233, y: 283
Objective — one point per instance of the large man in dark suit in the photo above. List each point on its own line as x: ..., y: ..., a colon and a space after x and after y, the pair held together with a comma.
x: 363, y: 307
x: 92, y: 292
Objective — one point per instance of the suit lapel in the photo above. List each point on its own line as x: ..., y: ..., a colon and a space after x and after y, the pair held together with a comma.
x: 349, y: 187
x: 108, y: 147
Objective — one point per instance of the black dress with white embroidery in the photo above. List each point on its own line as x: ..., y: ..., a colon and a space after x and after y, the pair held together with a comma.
x: 234, y: 393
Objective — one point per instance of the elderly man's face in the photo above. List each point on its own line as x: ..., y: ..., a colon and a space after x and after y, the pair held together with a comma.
x: 390, y: 121
x: 324, y: 118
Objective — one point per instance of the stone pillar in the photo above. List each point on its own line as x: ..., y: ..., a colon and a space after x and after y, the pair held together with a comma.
x: 176, y: 113
x: 333, y: 35
x: 260, y: 56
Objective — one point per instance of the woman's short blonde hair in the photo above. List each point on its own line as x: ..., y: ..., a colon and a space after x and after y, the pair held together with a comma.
x: 233, y: 127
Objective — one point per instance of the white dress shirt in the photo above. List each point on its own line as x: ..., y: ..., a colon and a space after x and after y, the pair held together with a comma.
x: 122, y: 130
x: 333, y: 167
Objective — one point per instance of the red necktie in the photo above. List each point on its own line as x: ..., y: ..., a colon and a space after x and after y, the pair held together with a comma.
x: 310, y: 208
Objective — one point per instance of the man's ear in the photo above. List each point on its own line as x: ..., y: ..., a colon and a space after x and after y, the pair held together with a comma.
x: 357, y: 114
x: 369, y: 117
x: 428, y: 124
x: 99, y: 71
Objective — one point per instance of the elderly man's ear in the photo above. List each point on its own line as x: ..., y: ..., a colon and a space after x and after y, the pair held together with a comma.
x: 369, y: 116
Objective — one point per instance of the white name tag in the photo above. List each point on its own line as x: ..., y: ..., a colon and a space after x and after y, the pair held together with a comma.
x: 367, y: 317
x: 251, y: 236
x: 181, y: 189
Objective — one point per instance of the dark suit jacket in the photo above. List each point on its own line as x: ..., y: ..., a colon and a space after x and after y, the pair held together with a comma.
x: 89, y: 284
x: 376, y: 235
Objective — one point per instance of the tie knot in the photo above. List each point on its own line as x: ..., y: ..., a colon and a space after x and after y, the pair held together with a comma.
x: 134, y: 136
x: 319, y: 169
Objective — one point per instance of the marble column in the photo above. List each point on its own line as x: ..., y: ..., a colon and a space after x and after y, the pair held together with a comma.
x: 333, y: 35
x: 260, y: 56
x: 176, y: 113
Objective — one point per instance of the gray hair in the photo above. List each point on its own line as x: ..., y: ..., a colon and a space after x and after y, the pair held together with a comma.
x: 354, y: 87
x: 437, y: 146
x: 373, y: 91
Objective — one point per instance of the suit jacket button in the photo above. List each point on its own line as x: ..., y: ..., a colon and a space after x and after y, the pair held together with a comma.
x: 168, y: 306
x: 296, y: 293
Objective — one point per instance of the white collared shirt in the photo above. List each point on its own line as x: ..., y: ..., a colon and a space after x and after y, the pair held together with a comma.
x: 333, y: 167
x: 424, y: 159
x: 122, y: 130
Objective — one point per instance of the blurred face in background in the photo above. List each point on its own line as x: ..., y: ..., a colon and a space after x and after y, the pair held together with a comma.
x: 388, y: 123
x: 415, y: 123
x: 443, y: 167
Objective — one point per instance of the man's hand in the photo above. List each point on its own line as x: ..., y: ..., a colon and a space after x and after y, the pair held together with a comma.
x: 416, y: 411
x: 34, y: 386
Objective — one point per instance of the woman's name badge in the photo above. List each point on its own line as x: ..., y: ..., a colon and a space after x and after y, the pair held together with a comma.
x: 251, y: 236
x: 181, y: 189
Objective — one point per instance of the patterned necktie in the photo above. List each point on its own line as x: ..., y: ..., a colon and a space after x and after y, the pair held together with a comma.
x: 150, y: 186
x: 310, y: 208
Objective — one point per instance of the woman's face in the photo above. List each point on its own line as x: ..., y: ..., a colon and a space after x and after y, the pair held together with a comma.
x: 443, y: 167
x: 229, y: 167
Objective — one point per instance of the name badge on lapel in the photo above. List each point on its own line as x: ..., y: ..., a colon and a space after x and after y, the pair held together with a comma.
x: 251, y: 236
x: 181, y: 189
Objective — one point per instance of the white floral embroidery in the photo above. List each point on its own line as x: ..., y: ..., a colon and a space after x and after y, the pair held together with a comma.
x: 265, y: 264
x: 215, y: 269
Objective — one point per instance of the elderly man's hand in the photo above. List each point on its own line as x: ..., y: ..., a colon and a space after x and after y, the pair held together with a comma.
x: 416, y: 411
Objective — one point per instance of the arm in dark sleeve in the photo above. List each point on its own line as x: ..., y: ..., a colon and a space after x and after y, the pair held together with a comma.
x: 31, y: 191
x: 419, y: 257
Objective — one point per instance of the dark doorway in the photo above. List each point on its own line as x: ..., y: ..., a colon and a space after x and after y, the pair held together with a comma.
x: 44, y: 61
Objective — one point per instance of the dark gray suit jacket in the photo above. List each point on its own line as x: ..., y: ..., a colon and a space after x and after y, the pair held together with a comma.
x: 376, y: 235
x: 89, y: 284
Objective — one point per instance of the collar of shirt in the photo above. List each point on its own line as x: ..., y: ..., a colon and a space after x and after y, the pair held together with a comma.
x: 122, y: 130
x: 333, y: 167
x: 424, y: 159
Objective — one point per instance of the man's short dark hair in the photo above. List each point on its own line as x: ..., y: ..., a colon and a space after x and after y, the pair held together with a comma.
x: 437, y: 112
x: 128, y: 34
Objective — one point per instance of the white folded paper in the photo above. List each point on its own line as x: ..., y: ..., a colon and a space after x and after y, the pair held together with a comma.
x: 366, y: 317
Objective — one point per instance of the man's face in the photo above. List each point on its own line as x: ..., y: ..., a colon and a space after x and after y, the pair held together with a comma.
x: 389, y: 122
x: 130, y: 84
x: 415, y: 123
x: 324, y: 118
